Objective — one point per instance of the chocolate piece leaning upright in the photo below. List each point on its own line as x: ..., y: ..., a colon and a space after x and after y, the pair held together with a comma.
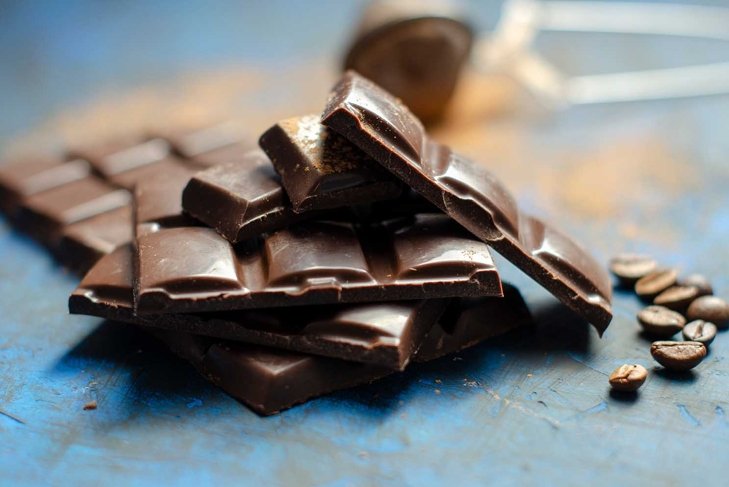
x: 319, y: 169
x: 384, y: 128
x: 385, y: 334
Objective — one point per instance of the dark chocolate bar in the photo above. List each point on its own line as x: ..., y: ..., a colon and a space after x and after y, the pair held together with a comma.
x: 23, y: 178
x: 267, y: 379
x: 241, y: 199
x: 192, y: 269
x: 320, y: 170
x: 382, y: 127
x: 415, y: 50
x: 270, y: 380
x: 386, y: 334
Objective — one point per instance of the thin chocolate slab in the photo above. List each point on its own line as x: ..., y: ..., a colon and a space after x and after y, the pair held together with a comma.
x: 269, y: 380
x: 192, y: 269
x: 85, y: 242
x: 386, y: 334
x: 46, y: 214
x: 241, y: 199
x: 382, y: 127
x: 20, y: 179
x: 321, y: 170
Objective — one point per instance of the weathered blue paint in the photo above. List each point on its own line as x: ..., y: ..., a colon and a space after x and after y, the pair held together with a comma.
x: 530, y: 408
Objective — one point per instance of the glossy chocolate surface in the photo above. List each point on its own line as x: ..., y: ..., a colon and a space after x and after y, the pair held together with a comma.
x: 386, y: 334
x: 240, y: 199
x: 269, y: 380
x: 190, y: 269
x: 381, y: 126
x: 319, y: 169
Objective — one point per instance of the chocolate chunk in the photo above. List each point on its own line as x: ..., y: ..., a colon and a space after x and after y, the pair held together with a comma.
x: 383, y: 128
x: 677, y: 298
x: 319, y: 169
x: 654, y: 283
x: 386, y: 334
x: 23, y: 178
x: 679, y: 356
x: 415, y: 50
x: 85, y: 242
x: 244, y: 199
x: 191, y: 269
x: 700, y: 331
x: 241, y: 199
x: 628, y: 268
x: 46, y: 214
x: 710, y: 308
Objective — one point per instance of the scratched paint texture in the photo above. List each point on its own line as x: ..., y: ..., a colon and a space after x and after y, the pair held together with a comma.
x: 529, y: 408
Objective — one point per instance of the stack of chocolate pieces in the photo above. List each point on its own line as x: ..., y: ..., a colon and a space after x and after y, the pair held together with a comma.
x: 347, y: 246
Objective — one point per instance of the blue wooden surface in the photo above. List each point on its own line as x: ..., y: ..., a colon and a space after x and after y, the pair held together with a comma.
x: 530, y: 408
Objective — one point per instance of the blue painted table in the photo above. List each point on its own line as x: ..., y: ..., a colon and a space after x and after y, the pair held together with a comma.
x: 529, y: 408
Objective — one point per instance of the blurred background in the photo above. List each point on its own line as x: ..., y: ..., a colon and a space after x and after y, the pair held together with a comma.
x: 648, y: 176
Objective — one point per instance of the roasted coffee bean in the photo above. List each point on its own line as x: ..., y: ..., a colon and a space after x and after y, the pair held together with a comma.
x: 677, y: 298
x: 710, y: 308
x: 650, y: 285
x: 628, y: 268
x: 700, y: 331
x: 678, y: 355
x: 661, y: 322
x: 628, y: 377
x: 699, y: 281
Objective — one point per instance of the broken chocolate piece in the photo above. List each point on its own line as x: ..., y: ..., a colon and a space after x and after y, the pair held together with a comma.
x: 386, y: 130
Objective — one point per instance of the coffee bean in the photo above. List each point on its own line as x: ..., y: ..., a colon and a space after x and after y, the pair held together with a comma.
x: 699, y: 281
x: 628, y: 268
x: 650, y: 285
x: 710, y: 308
x: 677, y: 298
x: 700, y: 331
x: 678, y: 355
x: 628, y: 377
x: 661, y: 322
